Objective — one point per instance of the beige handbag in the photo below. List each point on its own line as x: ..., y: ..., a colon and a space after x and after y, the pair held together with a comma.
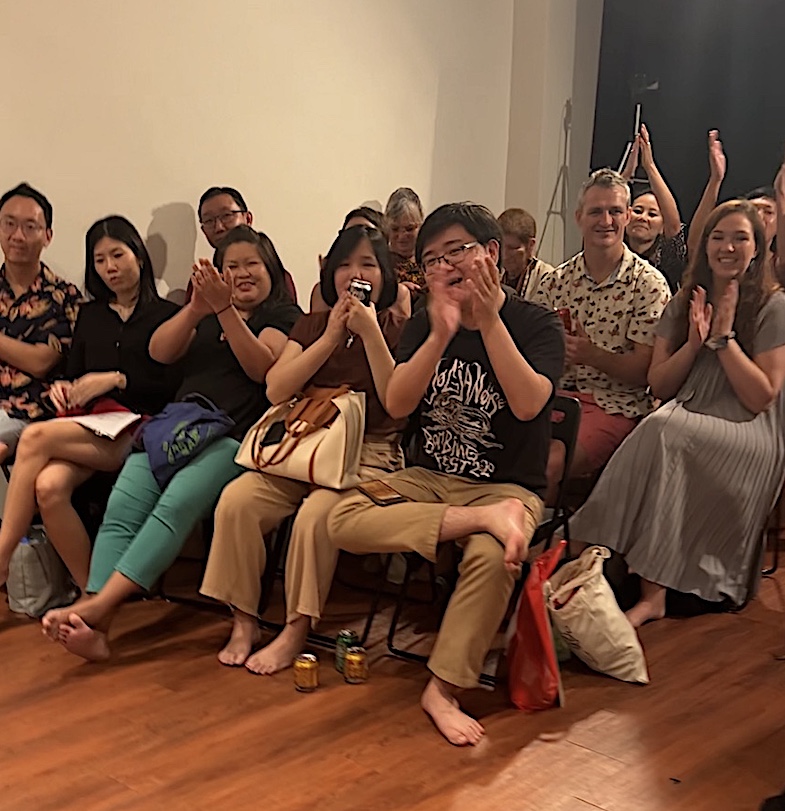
x: 314, y: 438
x: 586, y: 614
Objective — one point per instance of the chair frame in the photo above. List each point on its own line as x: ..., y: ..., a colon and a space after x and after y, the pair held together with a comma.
x: 565, y: 431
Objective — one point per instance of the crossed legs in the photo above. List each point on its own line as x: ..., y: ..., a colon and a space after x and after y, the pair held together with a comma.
x: 62, y: 455
x: 493, y: 524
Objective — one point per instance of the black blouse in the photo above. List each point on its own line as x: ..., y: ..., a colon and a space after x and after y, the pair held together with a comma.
x: 103, y: 342
x: 212, y: 369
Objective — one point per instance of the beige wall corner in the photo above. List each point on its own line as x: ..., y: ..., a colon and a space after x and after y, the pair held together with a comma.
x: 555, y: 61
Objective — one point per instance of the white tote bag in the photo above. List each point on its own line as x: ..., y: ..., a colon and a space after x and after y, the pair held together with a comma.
x: 316, y: 438
x: 586, y: 614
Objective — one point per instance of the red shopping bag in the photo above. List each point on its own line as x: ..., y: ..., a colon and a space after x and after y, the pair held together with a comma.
x: 533, y: 668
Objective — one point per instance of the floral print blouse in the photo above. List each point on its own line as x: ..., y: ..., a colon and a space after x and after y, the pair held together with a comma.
x: 44, y: 314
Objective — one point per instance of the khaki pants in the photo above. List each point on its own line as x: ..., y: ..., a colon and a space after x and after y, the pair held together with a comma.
x: 482, y: 593
x: 253, y: 505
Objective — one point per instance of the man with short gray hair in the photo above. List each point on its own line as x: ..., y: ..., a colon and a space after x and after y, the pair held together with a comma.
x: 610, y: 301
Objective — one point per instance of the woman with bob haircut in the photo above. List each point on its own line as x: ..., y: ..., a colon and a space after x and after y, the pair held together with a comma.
x: 349, y: 344
x: 226, y: 338
x: 685, y: 497
x: 109, y: 368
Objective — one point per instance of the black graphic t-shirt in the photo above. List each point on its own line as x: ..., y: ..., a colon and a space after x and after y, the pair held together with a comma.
x: 466, y: 428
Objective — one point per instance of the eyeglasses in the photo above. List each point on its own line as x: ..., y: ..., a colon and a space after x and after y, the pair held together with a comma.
x: 452, y: 257
x: 227, y: 218
x: 8, y: 226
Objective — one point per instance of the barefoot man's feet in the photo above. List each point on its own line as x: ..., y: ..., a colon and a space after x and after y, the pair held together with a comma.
x: 445, y: 712
x: 280, y: 653
x: 245, y: 637
x: 82, y: 640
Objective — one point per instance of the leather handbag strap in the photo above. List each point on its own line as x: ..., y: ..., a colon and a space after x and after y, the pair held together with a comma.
x: 314, y: 410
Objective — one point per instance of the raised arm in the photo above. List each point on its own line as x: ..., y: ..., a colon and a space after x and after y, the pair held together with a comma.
x: 297, y: 366
x: 256, y: 354
x: 363, y: 321
x: 631, y: 164
x: 409, y: 380
x: 756, y: 381
x: 669, y: 368
x: 171, y: 340
x: 671, y: 218
x: 718, y: 165
x: 527, y: 391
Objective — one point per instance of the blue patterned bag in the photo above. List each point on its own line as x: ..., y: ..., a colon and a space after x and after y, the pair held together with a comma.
x: 180, y: 433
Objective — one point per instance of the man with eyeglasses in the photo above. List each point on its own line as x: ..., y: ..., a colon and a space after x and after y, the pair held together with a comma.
x: 613, y: 301
x: 37, y: 313
x: 479, y: 365
x: 222, y: 208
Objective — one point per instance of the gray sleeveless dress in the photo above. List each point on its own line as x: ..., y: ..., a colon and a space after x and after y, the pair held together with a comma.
x: 686, y: 495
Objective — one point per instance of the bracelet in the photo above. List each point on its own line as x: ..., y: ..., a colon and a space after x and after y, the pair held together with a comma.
x: 228, y: 307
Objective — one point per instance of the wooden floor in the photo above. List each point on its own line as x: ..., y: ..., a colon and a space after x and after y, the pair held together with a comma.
x: 165, y: 727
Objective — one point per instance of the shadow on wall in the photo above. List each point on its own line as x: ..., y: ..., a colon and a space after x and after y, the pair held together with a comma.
x: 171, y: 241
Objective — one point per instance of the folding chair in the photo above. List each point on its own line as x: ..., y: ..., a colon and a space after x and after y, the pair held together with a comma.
x: 565, y: 421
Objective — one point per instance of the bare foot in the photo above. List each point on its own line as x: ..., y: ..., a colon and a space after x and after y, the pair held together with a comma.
x: 82, y: 640
x: 646, y: 611
x: 446, y: 713
x: 512, y: 525
x: 280, y: 653
x: 245, y: 637
x: 52, y: 620
x: 55, y: 619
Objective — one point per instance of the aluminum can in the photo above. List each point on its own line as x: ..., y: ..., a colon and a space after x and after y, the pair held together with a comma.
x: 355, y: 669
x: 306, y: 672
x: 346, y: 639
x: 566, y: 319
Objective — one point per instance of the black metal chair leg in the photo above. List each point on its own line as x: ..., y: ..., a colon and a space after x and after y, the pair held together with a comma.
x: 402, y: 654
x: 373, y: 608
x: 775, y: 559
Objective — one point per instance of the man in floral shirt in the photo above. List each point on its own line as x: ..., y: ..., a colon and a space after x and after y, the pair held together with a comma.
x: 37, y: 313
x: 615, y: 300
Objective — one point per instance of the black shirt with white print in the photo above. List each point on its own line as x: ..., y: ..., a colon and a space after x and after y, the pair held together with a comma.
x: 465, y: 425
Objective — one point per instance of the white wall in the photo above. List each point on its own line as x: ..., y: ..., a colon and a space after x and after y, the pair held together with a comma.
x: 555, y: 61
x: 309, y: 108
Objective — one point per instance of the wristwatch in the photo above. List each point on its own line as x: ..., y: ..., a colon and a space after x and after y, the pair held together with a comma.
x: 720, y: 342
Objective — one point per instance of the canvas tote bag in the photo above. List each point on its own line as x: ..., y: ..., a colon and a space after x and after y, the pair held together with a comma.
x: 586, y: 614
x: 37, y: 579
x: 315, y: 438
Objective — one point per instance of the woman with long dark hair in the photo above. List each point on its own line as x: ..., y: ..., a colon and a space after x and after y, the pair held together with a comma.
x: 686, y: 496
x: 108, y: 364
x: 227, y: 337
x: 350, y: 344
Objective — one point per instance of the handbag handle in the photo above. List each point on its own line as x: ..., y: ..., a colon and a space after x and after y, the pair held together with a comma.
x: 311, y: 411
x: 589, y: 559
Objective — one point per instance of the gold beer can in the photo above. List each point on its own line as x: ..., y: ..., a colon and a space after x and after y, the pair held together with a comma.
x: 355, y: 666
x: 306, y: 672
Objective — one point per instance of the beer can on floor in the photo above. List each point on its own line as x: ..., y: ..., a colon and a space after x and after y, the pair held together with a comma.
x: 346, y: 639
x: 355, y: 666
x: 306, y: 672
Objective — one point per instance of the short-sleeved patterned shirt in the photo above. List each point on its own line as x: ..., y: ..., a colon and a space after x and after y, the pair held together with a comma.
x: 44, y: 314
x: 617, y: 313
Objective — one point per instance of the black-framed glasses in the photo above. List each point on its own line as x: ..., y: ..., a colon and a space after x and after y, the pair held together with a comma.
x: 453, y: 257
x: 227, y: 218
x: 8, y: 225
